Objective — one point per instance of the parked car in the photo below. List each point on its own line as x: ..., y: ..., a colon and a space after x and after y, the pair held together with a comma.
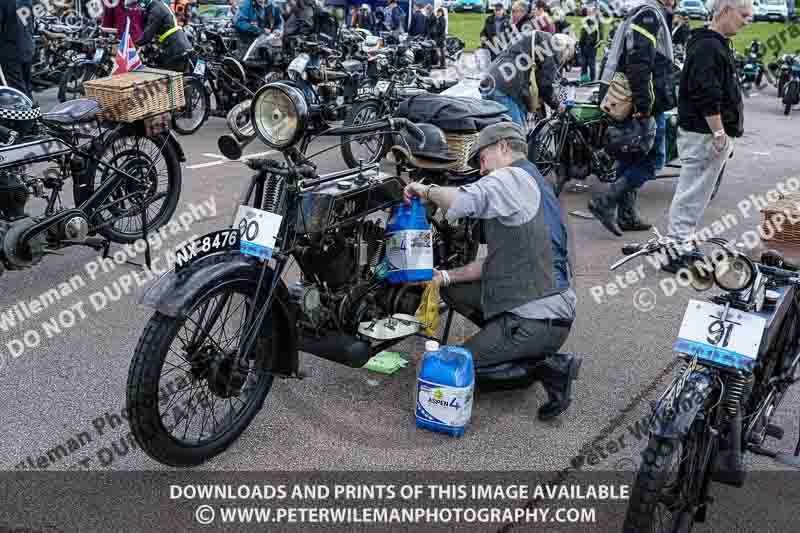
x: 759, y: 10
x: 695, y: 9
x: 476, y: 6
x: 775, y: 10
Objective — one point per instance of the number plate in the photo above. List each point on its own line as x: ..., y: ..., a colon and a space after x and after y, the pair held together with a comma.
x: 258, y: 231
x: 98, y: 55
x: 211, y: 243
x: 200, y: 67
x: 733, y: 343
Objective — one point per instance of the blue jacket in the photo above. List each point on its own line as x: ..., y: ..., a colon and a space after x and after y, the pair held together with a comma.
x: 253, y: 19
x: 397, y: 19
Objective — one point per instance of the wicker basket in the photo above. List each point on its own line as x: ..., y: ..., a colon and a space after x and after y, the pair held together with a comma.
x: 132, y: 96
x: 458, y: 145
x: 786, y: 231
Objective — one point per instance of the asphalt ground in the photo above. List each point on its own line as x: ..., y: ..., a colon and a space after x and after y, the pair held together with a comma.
x: 345, y: 419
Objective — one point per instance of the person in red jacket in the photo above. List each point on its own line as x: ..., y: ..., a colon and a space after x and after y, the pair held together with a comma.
x: 114, y: 16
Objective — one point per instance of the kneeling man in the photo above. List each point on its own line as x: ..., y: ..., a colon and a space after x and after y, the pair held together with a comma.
x: 519, y: 294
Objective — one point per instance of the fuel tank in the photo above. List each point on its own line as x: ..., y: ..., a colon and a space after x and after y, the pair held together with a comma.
x: 352, y: 196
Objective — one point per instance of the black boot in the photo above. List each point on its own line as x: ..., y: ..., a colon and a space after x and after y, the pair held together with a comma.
x: 628, y: 217
x: 557, y: 373
x: 604, y: 205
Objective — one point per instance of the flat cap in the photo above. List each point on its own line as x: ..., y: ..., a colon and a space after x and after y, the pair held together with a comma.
x: 491, y: 135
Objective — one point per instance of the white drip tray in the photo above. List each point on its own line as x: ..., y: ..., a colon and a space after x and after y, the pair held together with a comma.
x: 395, y: 327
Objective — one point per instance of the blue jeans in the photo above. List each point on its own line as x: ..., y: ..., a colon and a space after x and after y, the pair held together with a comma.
x: 517, y: 112
x: 645, y: 170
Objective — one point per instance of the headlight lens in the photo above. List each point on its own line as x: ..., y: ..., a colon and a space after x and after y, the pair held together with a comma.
x: 279, y: 114
x: 734, y: 273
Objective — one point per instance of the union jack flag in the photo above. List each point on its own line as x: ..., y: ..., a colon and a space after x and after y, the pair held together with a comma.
x: 127, y: 58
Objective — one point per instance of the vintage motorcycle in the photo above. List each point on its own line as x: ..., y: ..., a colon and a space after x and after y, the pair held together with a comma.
x: 740, y: 353
x: 750, y: 68
x: 225, y: 321
x: 126, y: 181
x: 791, y: 90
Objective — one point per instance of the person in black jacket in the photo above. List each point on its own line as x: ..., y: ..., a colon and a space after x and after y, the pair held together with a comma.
x: 161, y: 26
x: 419, y: 24
x: 16, y: 52
x: 496, y: 24
x: 643, y: 59
x: 438, y: 34
x: 710, y: 116
x: 591, y: 35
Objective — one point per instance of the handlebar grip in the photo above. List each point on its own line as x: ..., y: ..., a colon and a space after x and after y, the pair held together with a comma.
x: 630, y: 249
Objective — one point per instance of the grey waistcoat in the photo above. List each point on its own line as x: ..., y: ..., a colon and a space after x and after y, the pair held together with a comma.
x: 518, y: 267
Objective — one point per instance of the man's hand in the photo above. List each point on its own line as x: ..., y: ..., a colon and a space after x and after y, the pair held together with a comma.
x: 415, y: 189
x: 641, y: 116
x: 720, y: 144
x: 267, y: 31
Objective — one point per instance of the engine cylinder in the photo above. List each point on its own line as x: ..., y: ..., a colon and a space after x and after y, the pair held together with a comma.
x: 13, y: 195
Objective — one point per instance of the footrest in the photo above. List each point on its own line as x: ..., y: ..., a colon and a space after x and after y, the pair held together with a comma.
x: 507, y: 376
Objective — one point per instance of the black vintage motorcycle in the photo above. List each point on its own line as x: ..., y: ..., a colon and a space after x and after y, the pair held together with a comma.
x: 225, y: 322
x: 126, y: 181
x: 741, y: 354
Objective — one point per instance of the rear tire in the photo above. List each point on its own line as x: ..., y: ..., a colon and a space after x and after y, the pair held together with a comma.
x: 198, y: 106
x: 136, y: 155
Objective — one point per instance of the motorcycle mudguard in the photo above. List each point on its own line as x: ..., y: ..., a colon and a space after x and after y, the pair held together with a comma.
x: 673, y: 420
x: 137, y: 128
x: 175, y: 292
x: 177, y: 146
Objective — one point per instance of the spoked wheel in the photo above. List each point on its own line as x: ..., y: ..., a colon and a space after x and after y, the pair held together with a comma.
x: 664, y: 497
x: 367, y: 148
x: 198, y: 105
x: 189, y: 395
x: 543, y: 151
x: 154, y: 183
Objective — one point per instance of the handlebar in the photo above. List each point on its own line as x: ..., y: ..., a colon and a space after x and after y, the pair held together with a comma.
x: 395, y: 124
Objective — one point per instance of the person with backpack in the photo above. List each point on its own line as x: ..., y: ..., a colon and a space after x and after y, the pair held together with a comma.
x: 642, y: 52
x: 591, y: 35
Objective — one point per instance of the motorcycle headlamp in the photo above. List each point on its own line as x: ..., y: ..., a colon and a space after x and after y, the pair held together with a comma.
x: 278, y: 114
x: 734, y: 272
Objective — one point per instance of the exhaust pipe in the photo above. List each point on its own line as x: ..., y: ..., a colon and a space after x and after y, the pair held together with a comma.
x: 337, y: 347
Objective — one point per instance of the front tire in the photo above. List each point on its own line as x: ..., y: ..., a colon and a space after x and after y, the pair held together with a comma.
x: 655, y: 499
x: 203, y: 365
x: 71, y: 85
